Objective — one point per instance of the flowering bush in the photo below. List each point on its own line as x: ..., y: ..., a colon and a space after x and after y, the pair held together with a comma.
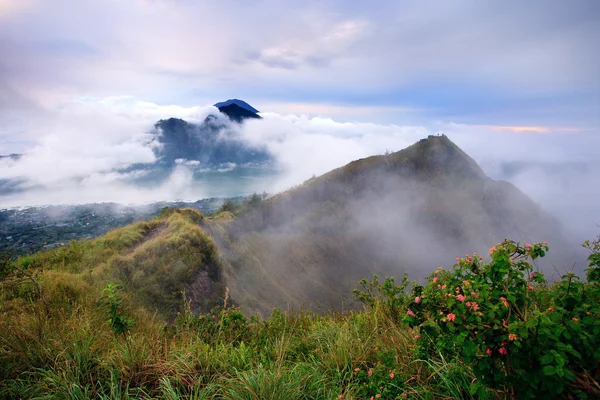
x: 518, y: 334
x: 391, y: 296
x: 379, y: 382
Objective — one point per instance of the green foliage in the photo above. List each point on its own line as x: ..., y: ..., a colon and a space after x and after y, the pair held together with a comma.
x: 388, y: 294
x: 519, y: 335
x: 254, y: 201
x: 379, y: 382
x: 398, y: 347
x: 228, y: 206
x: 119, y: 323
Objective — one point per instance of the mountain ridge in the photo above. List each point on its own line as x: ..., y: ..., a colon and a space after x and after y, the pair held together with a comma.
x: 381, y: 214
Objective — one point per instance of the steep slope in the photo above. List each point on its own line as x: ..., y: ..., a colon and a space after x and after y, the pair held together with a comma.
x: 156, y: 262
x: 407, y: 211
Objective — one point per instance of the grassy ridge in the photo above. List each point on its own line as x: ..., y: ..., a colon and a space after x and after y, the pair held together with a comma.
x: 155, y: 260
x: 72, y: 352
x: 58, y: 342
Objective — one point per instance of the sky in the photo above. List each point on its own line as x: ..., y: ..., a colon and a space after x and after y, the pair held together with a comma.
x: 82, y: 82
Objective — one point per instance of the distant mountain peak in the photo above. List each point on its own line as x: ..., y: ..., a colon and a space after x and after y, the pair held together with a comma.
x: 237, y: 113
x: 237, y: 102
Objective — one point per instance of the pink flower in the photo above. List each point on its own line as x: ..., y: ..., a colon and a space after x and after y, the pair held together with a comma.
x: 410, y: 313
x: 530, y: 287
x: 467, y: 283
x: 460, y: 297
x: 340, y: 397
x: 533, y: 275
x: 417, y: 337
x: 418, y: 300
x: 488, y: 352
x: 435, y: 279
x: 474, y: 306
x: 492, y: 250
x: 468, y: 303
x: 512, y: 337
x: 503, y: 298
x: 370, y: 372
x: 392, y: 375
x: 451, y: 317
x: 503, y: 350
x: 545, y: 243
x: 528, y: 245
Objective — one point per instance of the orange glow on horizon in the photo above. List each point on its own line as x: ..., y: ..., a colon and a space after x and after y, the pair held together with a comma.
x: 528, y: 129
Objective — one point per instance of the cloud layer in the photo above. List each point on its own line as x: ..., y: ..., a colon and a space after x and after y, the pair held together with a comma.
x: 514, y: 83
x: 83, y: 151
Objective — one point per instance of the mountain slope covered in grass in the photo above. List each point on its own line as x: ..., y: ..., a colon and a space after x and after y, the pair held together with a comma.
x: 156, y: 262
x: 118, y: 318
x: 189, y: 306
x: 388, y: 214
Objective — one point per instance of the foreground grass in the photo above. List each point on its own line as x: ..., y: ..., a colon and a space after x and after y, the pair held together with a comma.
x: 74, y: 354
x: 66, y: 333
x: 56, y: 341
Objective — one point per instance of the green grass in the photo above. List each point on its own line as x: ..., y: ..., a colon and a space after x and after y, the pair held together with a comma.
x: 288, y: 356
x: 173, y: 352
x: 72, y: 353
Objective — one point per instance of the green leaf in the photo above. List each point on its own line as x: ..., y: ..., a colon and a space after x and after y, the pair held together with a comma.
x: 549, y: 370
x: 473, y: 388
x: 546, y: 359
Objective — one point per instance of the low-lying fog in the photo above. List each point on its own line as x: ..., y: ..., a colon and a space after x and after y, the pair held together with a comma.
x: 80, y: 154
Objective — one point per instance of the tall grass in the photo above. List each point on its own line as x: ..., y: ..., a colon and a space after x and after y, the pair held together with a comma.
x: 72, y: 353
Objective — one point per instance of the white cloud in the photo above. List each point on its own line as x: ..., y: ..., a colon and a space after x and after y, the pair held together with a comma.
x: 87, y: 140
x: 77, y: 156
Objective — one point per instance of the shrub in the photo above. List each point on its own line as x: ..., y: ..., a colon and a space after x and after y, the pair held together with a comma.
x: 228, y: 206
x: 518, y: 334
x: 111, y: 301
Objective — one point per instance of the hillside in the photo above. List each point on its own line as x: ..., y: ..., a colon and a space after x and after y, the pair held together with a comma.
x: 68, y: 332
x: 155, y: 261
x: 28, y: 230
x: 150, y: 310
x: 389, y: 214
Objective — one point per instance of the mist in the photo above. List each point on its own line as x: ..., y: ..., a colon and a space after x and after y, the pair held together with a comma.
x: 80, y: 154
x: 387, y: 215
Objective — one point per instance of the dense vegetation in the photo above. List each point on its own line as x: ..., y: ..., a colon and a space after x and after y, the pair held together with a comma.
x: 110, y: 318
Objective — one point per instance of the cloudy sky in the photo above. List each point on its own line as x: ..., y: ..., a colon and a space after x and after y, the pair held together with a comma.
x: 500, y: 63
x: 81, y: 82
